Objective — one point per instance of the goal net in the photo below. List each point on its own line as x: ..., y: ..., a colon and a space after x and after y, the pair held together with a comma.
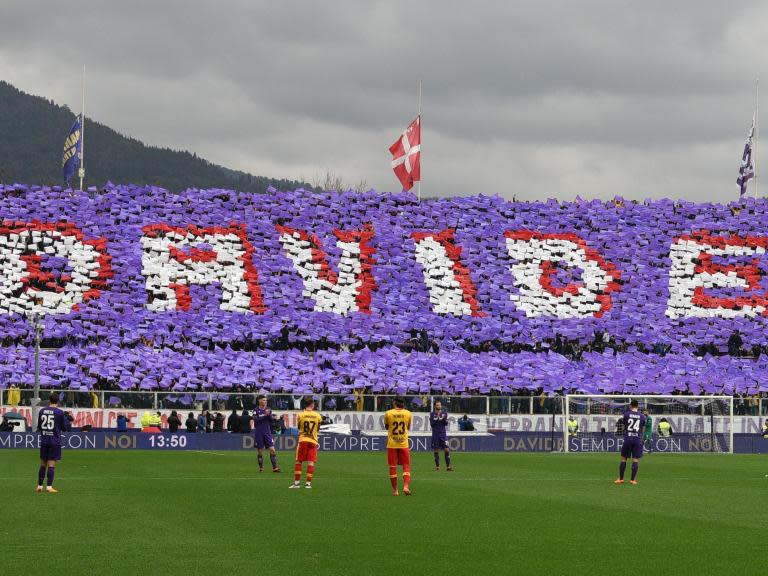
x: 593, y: 423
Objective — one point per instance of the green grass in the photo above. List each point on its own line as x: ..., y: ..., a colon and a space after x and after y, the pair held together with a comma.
x: 193, y: 513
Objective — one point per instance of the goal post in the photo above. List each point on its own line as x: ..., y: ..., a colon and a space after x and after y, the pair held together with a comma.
x: 593, y: 423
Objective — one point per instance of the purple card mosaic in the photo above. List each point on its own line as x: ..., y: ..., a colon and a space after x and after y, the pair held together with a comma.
x: 148, y: 289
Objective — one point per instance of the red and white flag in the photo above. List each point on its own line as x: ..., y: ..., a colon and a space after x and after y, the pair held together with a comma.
x: 406, y: 155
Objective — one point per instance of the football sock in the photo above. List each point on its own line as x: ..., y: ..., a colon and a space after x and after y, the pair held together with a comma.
x: 393, y: 476
x: 51, y: 470
x: 297, y: 472
x: 273, y: 459
x: 447, y: 458
x: 622, y: 469
x: 437, y: 458
x: 634, y: 470
x: 310, y: 471
x: 406, y: 476
x: 40, y: 475
x: 261, y: 461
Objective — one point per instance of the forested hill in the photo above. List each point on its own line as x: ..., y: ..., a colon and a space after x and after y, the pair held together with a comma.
x: 32, y: 133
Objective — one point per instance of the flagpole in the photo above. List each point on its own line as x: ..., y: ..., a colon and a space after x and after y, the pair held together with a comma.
x: 81, y: 172
x: 418, y: 185
x: 757, y: 128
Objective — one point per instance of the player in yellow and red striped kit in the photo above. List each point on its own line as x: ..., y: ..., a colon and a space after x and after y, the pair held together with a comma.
x: 397, y: 422
x: 306, y: 451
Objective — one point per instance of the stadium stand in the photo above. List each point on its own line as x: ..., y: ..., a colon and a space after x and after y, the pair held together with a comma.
x: 142, y: 289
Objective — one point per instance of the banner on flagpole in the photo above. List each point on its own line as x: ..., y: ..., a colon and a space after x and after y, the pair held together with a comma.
x: 747, y: 168
x: 406, y: 155
x: 70, y: 160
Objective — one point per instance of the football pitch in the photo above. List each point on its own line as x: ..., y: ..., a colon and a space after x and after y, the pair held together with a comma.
x: 155, y: 513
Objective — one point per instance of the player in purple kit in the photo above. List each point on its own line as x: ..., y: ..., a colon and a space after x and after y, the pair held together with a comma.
x: 634, y: 424
x: 262, y: 430
x: 51, y: 422
x: 438, y: 420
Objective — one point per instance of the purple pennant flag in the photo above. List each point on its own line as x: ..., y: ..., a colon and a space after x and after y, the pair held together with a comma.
x: 747, y: 168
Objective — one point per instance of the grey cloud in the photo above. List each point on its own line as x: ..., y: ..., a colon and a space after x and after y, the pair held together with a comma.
x: 595, y: 98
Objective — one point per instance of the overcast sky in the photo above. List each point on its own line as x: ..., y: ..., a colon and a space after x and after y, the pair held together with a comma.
x: 595, y: 98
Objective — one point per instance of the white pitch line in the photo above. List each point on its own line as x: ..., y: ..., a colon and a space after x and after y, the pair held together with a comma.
x: 421, y: 478
x: 207, y: 452
x: 103, y: 478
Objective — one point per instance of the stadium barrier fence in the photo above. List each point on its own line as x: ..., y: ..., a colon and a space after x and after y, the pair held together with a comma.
x: 222, y: 400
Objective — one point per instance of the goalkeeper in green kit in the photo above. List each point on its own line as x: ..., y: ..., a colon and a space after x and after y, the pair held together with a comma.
x: 648, y: 431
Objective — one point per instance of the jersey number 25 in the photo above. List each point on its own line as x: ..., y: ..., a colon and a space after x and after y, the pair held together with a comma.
x: 47, y: 421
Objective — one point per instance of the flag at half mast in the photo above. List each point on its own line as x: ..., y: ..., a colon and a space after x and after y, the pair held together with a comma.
x: 70, y: 161
x: 747, y: 168
x: 406, y: 155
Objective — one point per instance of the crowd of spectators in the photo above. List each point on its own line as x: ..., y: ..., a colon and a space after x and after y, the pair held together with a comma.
x: 114, y: 343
